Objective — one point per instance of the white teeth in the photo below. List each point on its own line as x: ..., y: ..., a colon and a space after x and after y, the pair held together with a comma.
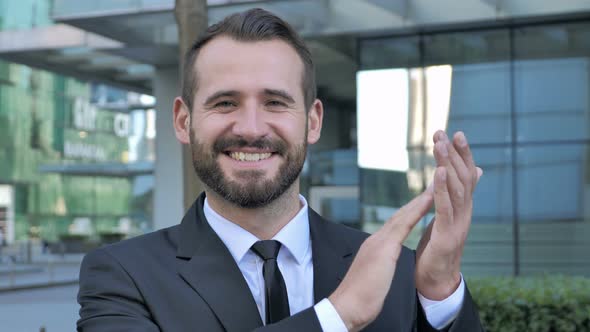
x: 241, y: 156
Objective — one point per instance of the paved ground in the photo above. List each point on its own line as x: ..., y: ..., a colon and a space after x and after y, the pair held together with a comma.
x: 54, y: 308
x: 29, y: 297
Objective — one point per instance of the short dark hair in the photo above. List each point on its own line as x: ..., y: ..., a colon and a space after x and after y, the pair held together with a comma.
x: 249, y: 26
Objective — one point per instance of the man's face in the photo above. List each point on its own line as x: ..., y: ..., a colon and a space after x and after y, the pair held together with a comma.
x: 248, y: 129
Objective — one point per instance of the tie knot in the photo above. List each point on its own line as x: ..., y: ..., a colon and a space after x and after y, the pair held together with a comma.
x: 267, y: 249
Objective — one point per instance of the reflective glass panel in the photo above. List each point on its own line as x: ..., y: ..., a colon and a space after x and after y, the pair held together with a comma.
x: 552, y: 82
x: 554, y: 208
x: 480, y: 86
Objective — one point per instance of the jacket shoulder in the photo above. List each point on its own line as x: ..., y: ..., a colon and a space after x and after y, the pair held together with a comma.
x: 155, y: 245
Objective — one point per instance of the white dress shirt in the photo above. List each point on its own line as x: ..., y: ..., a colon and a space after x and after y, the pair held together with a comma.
x: 295, y: 263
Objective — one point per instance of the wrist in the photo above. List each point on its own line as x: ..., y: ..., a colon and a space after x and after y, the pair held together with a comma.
x: 438, y: 288
x: 352, y: 314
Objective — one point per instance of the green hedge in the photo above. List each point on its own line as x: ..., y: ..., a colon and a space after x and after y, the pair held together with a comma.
x: 549, y: 303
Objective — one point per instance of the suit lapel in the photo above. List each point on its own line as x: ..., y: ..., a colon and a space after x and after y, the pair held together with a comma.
x: 213, y: 273
x: 331, y: 256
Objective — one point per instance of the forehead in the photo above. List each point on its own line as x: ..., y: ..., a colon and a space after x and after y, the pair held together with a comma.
x: 227, y: 64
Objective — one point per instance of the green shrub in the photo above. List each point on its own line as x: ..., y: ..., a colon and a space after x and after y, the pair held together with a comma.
x: 549, y: 303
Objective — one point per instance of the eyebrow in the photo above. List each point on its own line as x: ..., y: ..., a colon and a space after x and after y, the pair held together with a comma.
x: 220, y: 94
x: 280, y: 93
x: 233, y: 93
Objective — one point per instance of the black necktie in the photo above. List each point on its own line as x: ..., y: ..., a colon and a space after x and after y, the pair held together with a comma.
x: 277, y: 302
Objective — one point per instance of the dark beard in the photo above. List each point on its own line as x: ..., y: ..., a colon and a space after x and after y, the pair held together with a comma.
x: 257, y: 191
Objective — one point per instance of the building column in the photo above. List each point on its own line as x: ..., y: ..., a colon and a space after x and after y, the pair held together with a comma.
x: 176, y: 185
x: 168, y: 174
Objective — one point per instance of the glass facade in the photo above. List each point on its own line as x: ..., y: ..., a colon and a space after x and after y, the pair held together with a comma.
x: 521, y: 95
x: 60, y: 155
x: 76, y: 158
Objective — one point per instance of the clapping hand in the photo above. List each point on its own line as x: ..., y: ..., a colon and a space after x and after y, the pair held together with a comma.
x: 360, y: 297
x: 441, y: 247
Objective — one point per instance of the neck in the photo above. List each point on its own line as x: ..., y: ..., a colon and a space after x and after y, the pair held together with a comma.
x: 264, y: 222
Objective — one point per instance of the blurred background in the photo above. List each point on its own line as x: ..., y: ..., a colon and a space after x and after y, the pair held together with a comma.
x: 88, y: 155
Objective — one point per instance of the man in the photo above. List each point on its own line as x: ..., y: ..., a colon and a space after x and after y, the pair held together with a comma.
x: 249, y: 254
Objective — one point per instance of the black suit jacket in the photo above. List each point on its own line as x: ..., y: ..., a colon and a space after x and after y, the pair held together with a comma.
x: 183, y: 278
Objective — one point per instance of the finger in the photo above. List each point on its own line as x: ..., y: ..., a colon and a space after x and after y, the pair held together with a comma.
x: 426, y: 235
x: 462, y: 147
x: 438, y: 135
x: 479, y: 173
x: 456, y: 188
x: 430, y: 188
x: 464, y: 173
x: 399, y: 226
x: 425, y: 238
x: 442, y: 199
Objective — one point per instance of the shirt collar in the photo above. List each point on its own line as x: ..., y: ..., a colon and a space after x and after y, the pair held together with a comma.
x: 294, y: 236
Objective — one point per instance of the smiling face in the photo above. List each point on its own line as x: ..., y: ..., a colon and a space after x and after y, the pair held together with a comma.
x: 249, y: 128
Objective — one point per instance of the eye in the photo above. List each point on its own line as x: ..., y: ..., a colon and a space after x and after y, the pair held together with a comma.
x: 225, y: 104
x: 275, y: 103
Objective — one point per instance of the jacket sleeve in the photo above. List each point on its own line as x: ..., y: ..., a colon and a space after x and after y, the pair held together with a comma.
x: 306, y: 320
x: 109, y: 300
x: 467, y: 319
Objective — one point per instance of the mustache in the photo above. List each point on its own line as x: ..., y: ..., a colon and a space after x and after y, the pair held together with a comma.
x: 224, y: 143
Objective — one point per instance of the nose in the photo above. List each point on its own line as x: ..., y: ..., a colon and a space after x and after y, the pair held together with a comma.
x: 250, y: 123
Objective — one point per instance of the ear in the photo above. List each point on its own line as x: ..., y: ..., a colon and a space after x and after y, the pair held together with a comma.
x: 314, y: 121
x: 182, y: 121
